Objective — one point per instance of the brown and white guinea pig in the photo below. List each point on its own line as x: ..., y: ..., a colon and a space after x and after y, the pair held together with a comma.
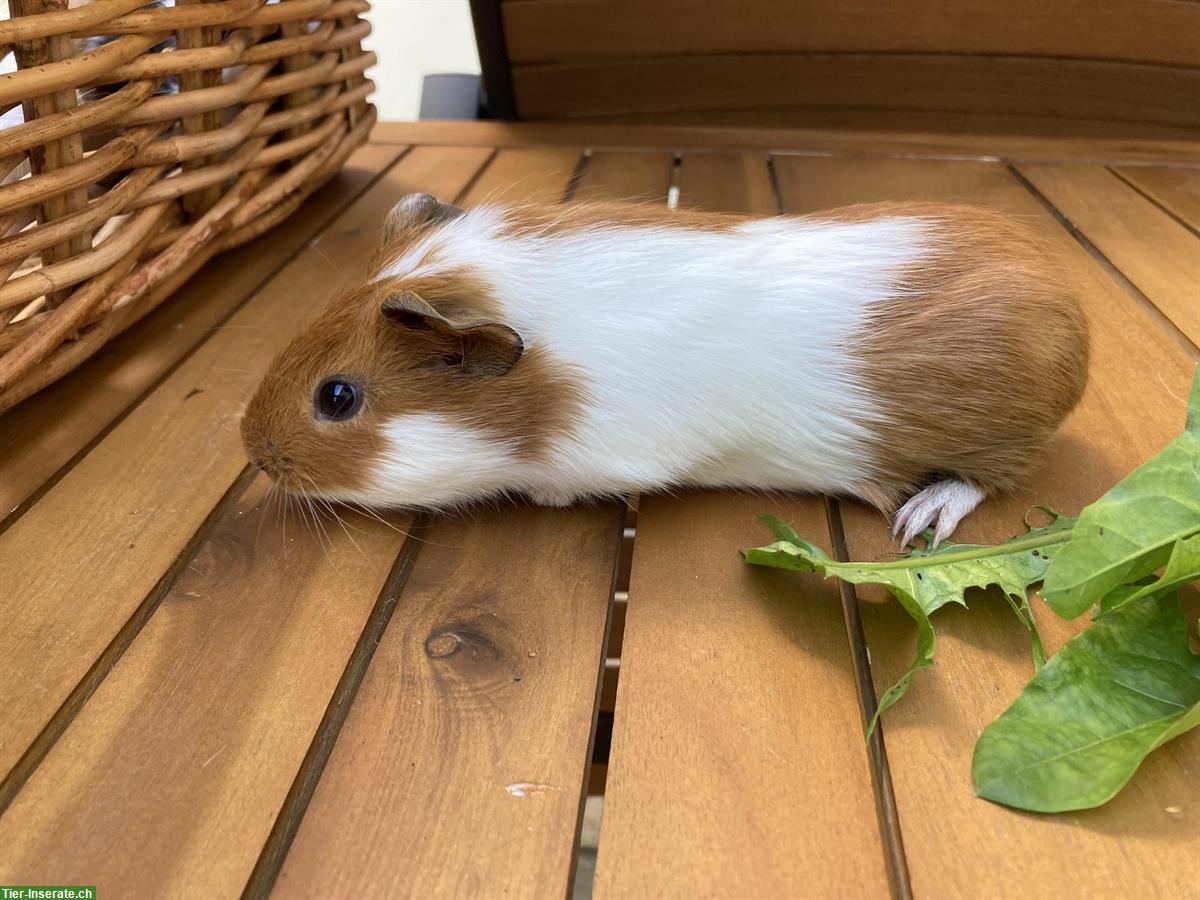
x: 885, y: 351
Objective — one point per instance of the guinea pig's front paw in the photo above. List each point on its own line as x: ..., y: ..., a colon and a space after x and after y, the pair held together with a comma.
x: 552, y: 498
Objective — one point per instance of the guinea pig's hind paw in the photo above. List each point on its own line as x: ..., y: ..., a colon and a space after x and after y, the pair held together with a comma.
x: 945, y: 502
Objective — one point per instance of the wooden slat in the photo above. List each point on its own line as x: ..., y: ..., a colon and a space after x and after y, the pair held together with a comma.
x: 1068, y: 89
x: 905, y: 122
x: 892, y: 142
x: 86, y: 402
x: 1156, y: 253
x: 644, y: 177
x: 959, y: 845
x: 536, y: 174
x: 1176, y: 189
x: 1131, y: 30
x: 461, y: 766
x: 79, y: 563
x: 738, y: 767
x: 735, y: 182
x: 168, y: 780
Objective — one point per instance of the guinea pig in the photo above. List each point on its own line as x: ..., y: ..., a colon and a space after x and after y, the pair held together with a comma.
x: 889, y: 352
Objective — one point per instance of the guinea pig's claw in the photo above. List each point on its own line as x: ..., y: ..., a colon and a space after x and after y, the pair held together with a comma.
x: 945, y: 503
x: 913, y: 518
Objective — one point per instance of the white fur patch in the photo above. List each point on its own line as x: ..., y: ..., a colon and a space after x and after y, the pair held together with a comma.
x: 715, y: 358
x: 431, y: 460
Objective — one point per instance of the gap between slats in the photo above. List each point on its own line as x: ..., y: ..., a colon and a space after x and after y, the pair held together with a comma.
x: 1154, y: 201
x: 62, y: 718
x: 70, y: 708
x: 8, y: 519
x: 287, y: 822
x: 578, y: 868
x: 881, y: 776
x: 860, y: 658
x: 275, y: 849
x: 583, y: 869
x: 600, y: 737
x: 1109, y: 267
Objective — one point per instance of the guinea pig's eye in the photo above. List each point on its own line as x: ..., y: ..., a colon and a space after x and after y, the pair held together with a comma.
x: 337, y: 399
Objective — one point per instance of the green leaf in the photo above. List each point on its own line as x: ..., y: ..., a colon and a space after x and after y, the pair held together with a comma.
x: 926, y: 580
x: 1082, y: 726
x: 1182, y: 568
x: 1132, y: 530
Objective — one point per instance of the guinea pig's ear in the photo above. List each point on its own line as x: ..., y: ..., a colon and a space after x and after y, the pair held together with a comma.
x: 485, y: 348
x: 417, y: 211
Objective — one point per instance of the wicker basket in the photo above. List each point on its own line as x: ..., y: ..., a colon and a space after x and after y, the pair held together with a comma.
x: 138, y: 139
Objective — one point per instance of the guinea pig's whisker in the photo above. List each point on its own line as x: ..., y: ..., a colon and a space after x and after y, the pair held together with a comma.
x: 279, y: 511
x: 345, y: 524
x: 317, y: 518
x: 316, y: 502
x: 367, y: 511
x: 302, y: 505
x: 322, y: 535
x: 263, y: 511
x: 329, y: 555
x: 313, y: 527
x: 281, y: 514
x: 324, y: 256
x: 297, y: 510
x: 370, y: 513
x: 345, y: 529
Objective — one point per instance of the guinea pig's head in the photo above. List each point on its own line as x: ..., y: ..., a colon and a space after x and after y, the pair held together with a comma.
x: 407, y: 391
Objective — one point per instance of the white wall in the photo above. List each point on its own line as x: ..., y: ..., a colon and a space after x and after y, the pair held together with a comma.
x: 415, y: 38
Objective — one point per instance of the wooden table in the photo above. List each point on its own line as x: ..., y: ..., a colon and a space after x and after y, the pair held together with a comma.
x: 202, y: 697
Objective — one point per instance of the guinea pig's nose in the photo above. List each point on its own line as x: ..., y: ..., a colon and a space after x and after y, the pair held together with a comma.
x: 267, y: 459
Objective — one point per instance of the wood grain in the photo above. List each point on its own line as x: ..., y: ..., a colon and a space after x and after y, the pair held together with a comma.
x: 459, y: 770
x: 1156, y: 253
x: 903, y: 122
x: 168, y: 780
x: 93, y: 547
x: 83, y: 404
x: 737, y: 730
x: 1178, y: 190
x: 478, y: 707
x: 959, y: 845
x: 1054, y: 88
x: 535, y: 174
x: 889, y: 142
x: 644, y: 177
x: 734, y: 182
x: 1131, y: 30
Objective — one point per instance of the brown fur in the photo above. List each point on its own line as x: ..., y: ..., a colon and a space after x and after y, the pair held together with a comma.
x: 534, y: 402
x: 980, y: 363
x: 974, y: 368
x: 548, y: 221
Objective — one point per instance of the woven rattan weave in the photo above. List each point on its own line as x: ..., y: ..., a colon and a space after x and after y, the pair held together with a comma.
x: 139, y: 139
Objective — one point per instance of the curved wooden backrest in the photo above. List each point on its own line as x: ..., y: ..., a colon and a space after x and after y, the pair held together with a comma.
x: 1134, y: 64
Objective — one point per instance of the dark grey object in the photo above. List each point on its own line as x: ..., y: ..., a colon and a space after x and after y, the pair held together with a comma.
x: 449, y: 97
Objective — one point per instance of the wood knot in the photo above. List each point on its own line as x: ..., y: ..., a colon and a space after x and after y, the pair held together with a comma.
x: 472, y: 656
x: 441, y: 644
